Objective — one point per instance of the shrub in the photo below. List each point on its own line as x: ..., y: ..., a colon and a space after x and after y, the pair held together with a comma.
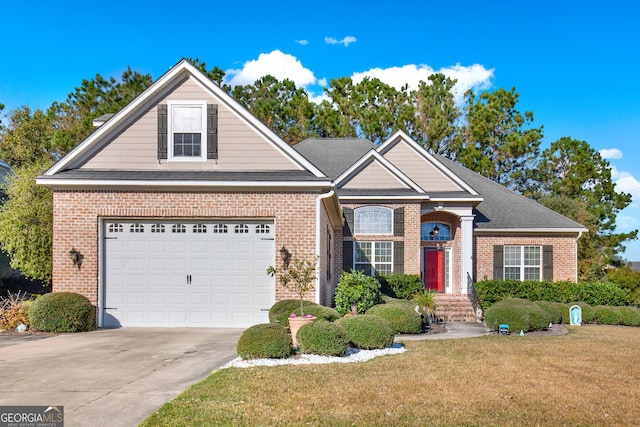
x: 367, y: 332
x: 323, y: 338
x: 280, y: 311
x: 507, y: 312
x: 14, y: 310
x: 62, y: 312
x: 321, y: 312
x: 607, y: 315
x: 630, y: 316
x: 265, y: 341
x: 553, y: 309
x: 356, y: 289
x: 402, y: 316
x: 588, y: 314
x: 599, y: 293
x: 627, y: 279
x: 403, y: 286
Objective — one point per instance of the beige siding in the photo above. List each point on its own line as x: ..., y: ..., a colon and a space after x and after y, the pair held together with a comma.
x: 418, y: 169
x: 374, y: 177
x: 136, y: 147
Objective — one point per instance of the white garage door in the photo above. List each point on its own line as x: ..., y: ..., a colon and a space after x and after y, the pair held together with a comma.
x: 187, y: 273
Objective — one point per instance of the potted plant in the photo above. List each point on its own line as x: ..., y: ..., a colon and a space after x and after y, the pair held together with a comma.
x: 296, y: 274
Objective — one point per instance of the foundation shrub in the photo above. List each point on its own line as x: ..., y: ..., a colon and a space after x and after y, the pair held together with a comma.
x: 403, y: 286
x: 323, y: 338
x: 599, y: 293
x: 367, y: 332
x: 356, y: 289
x: 401, y: 315
x: 608, y: 315
x: 588, y: 314
x: 630, y: 316
x: 62, y: 312
x: 519, y: 314
x: 265, y: 341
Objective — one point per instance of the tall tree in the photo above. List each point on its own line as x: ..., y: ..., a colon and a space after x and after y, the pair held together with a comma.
x: 572, y: 170
x: 497, y: 140
x: 436, y: 114
x: 28, y: 138
x: 280, y: 105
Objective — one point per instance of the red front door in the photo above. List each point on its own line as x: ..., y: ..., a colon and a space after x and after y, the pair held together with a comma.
x: 433, y: 270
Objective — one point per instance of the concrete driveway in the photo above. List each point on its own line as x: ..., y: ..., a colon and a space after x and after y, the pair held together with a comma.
x: 114, y: 377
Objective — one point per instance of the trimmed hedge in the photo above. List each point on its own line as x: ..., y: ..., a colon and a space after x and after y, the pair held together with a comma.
x: 323, y: 338
x: 403, y: 286
x: 519, y: 314
x: 356, y: 289
x: 630, y: 316
x: 607, y: 315
x: 280, y: 311
x: 321, y: 312
x: 402, y: 316
x: 62, y: 312
x: 555, y: 310
x: 367, y: 331
x: 593, y: 293
x: 265, y: 341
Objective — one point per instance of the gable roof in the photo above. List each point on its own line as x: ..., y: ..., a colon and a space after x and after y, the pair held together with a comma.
x: 506, y: 210
x: 333, y: 156
x: 167, y: 81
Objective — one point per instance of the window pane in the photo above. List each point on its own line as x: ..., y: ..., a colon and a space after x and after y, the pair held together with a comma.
x: 373, y: 220
x: 512, y: 273
x: 186, y: 144
x: 531, y: 273
x: 383, y: 269
x: 187, y: 118
x: 512, y: 255
x: 444, y: 231
x: 383, y: 252
x: 363, y: 252
x: 532, y: 255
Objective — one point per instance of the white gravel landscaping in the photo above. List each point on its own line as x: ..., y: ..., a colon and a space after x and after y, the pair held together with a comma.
x: 353, y: 355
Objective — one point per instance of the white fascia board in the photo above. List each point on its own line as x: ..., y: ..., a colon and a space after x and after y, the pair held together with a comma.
x: 182, y: 67
x: 397, y: 173
x: 422, y: 197
x: 457, y: 199
x: 86, y: 183
x: 420, y: 151
x: 529, y: 230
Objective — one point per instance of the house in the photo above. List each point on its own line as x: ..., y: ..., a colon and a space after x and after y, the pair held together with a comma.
x: 171, y: 211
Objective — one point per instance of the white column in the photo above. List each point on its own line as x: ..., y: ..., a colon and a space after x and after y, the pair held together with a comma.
x: 466, y: 263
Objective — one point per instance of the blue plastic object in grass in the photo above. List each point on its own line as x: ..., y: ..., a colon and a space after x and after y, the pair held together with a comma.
x: 504, y: 329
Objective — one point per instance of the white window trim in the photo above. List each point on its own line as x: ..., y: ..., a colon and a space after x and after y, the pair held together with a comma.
x: 522, y: 266
x: 355, y: 221
x: 203, y: 132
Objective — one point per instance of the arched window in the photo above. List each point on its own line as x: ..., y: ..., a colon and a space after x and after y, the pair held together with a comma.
x: 435, y: 231
x: 373, y: 220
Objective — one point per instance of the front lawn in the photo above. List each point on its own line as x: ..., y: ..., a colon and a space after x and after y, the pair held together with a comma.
x: 589, y: 377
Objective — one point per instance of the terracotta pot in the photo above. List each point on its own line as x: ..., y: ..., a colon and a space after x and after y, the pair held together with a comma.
x: 295, y: 323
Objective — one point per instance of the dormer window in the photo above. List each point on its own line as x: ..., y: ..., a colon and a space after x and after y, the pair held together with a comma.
x: 187, y: 131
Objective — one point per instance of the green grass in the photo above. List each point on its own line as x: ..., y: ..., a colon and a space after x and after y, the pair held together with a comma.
x: 590, y: 376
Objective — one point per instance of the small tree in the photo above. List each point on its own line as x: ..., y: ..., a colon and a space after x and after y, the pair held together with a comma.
x: 295, y: 273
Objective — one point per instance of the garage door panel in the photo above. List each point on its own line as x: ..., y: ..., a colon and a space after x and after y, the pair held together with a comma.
x: 181, y: 273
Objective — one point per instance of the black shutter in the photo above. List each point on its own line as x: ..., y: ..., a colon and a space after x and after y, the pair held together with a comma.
x: 162, y: 131
x: 347, y: 228
x: 212, y: 131
x: 547, y: 263
x: 498, y: 262
x: 398, y: 257
x: 347, y: 255
x: 398, y: 222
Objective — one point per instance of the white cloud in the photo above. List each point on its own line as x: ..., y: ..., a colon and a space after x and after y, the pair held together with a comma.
x: 345, y: 41
x: 303, y: 42
x: 278, y: 64
x: 611, y: 153
x: 475, y: 76
x: 629, y: 184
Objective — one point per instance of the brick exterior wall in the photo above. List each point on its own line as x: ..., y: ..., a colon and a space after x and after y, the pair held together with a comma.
x: 565, y: 252
x: 77, y: 220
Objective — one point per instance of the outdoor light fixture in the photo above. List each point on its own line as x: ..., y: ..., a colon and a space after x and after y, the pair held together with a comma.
x: 285, y: 255
x: 76, y: 257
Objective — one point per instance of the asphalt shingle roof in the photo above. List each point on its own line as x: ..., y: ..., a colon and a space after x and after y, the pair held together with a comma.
x: 333, y: 156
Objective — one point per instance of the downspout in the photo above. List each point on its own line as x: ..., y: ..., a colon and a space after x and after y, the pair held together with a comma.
x: 319, y: 200
x: 577, y: 238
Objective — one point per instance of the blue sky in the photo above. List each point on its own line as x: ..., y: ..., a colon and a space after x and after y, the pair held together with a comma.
x: 575, y: 64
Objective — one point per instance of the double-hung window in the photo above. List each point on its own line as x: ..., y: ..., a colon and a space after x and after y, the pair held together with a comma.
x: 373, y: 257
x: 522, y: 263
x: 187, y: 131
